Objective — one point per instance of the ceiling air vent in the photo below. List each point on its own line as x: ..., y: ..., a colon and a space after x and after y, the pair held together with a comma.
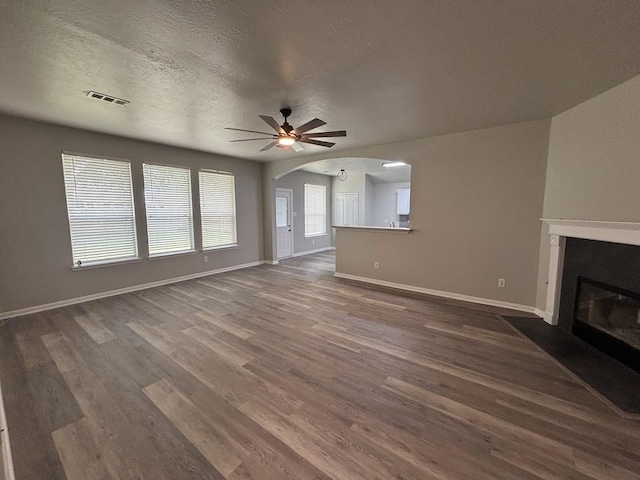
x: 108, y: 98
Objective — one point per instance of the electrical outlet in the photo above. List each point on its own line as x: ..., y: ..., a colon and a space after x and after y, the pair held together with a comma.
x: 376, y: 265
x: 313, y: 242
x: 501, y: 282
x: 205, y: 259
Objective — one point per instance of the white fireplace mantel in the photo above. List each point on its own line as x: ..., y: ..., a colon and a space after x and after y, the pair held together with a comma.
x: 559, y: 229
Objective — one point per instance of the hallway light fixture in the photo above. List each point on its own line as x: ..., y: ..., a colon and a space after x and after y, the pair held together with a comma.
x: 393, y: 164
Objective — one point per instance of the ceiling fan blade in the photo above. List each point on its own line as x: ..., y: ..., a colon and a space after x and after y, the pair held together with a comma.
x: 297, y: 147
x: 248, y: 139
x: 271, y: 145
x: 272, y: 123
x: 317, y: 142
x: 250, y: 131
x: 310, y: 125
x: 336, y: 133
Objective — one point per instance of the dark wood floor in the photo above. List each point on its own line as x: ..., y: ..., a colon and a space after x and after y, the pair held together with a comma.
x: 283, y: 372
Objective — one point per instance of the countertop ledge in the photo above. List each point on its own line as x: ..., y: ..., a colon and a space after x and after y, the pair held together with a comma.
x: 374, y: 229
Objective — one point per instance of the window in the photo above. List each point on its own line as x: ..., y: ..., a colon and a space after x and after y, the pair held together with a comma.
x: 167, y: 195
x: 100, y: 207
x: 282, y: 212
x: 217, y: 209
x: 315, y: 210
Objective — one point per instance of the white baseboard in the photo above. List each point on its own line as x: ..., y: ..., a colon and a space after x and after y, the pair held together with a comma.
x: 271, y: 262
x: 120, y: 291
x: 439, y: 293
x: 7, y: 459
x: 550, y: 318
x: 539, y: 312
x: 309, y: 252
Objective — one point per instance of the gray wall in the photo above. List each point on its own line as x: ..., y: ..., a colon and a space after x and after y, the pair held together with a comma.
x: 295, y: 181
x: 35, y: 249
x: 476, y: 201
x: 594, y: 163
x: 594, y: 158
x: 369, y: 201
x: 384, y: 200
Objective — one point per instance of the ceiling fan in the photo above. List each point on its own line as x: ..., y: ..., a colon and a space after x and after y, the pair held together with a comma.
x: 288, y: 137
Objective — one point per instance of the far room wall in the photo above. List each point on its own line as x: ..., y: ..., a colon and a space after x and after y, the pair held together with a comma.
x: 295, y: 181
x: 35, y: 246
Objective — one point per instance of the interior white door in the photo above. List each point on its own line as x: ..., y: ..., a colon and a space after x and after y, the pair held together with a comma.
x: 346, y: 209
x: 283, y: 223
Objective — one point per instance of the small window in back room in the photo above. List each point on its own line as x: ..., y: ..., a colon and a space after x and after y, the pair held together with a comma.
x: 100, y: 208
x: 217, y: 209
x: 315, y: 210
x: 167, y: 194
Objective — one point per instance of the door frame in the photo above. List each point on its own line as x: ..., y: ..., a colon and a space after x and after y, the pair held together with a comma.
x: 290, y: 220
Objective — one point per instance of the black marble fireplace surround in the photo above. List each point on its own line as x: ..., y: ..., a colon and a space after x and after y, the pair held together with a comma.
x: 601, y: 266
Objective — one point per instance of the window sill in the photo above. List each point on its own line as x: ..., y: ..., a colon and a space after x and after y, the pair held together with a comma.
x: 316, y: 235
x: 110, y: 263
x: 222, y: 247
x: 160, y: 256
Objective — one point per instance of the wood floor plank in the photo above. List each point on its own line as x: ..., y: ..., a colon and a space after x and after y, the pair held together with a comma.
x: 267, y: 456
x: 95, y: 329
x: 323, y: 455
x: 33, y: 450
x: 227, y: 325
x: 227, y: 352
x: 127, y: 451
x: 220, y: 449
x: 58, y: 406
x: 79, y: 453
x: 472, y: 416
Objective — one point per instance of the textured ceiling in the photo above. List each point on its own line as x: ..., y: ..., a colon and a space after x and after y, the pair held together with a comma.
x: 383, y: 70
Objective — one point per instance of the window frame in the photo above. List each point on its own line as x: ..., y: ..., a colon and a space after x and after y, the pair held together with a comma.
x: 202, y: 216
x: 193, y: 248
x: 326, y: 210
x: 104, y: 262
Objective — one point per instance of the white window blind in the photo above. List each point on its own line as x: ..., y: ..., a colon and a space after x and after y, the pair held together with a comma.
x: 217, y: 209
x: 100, y: 207
x: 167, y: 194
x: 315, y: 210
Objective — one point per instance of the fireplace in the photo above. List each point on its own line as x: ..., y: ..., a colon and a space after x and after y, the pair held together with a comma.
x: 608, y: 317
x: 594, y: 285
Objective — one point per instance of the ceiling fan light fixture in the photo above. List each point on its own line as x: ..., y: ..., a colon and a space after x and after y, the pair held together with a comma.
x: 288, y: 137
x: 286, y: 141
x: 393, y: 164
